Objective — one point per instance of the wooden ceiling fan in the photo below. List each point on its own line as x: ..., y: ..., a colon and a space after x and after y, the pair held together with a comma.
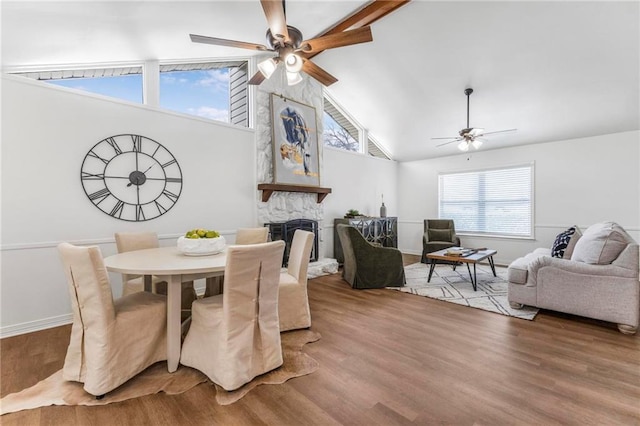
x: 292, y: 50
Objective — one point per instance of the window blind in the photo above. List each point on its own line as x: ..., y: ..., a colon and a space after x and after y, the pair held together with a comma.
x: 492, y: 202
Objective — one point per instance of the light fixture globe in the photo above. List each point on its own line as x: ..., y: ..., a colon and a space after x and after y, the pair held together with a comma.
x: 293, y: 62
x: 463, y: 146
x: 267, y: 67
x: 293, y: 78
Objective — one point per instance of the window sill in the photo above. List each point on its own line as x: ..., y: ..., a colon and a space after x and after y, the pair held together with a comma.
x: 497, y: 237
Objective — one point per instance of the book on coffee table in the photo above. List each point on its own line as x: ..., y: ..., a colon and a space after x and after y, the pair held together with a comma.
x: 460, y: 251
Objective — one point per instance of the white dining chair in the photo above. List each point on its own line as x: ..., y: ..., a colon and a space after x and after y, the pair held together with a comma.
x: 293, y: 301
x: 235, y: 336
x: 110, y: 341
x: 252, y: 235
x: 130, y: 241
x: 244, y: 236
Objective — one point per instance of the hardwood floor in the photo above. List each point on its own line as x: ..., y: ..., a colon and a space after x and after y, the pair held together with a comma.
x: 390, y: 358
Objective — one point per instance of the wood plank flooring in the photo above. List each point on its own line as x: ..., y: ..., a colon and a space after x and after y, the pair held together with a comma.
x: 390, y: 358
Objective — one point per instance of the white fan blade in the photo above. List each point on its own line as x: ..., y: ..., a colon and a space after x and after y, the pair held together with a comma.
x: 498, y: 131
x: 450, y: 137
x: 447, y: 143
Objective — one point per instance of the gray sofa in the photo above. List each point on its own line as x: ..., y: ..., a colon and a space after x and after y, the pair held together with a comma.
x: 596, y: 276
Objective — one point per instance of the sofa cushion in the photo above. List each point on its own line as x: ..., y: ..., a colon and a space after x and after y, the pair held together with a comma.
x: 601, y: 244
x: 562, y: 242
x: 440, y: 234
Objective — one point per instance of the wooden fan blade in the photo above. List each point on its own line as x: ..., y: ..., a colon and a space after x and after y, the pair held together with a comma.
x: 274, y: 11
x: 346, y: 38
x: 447, y: 143
x: 318, y: 73
x: 257, y: 78
x: 498, y: 131
x: 224, y: 42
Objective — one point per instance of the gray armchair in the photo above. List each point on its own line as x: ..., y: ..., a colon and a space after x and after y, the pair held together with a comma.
x: 439, y: 234
x: 369, y: 266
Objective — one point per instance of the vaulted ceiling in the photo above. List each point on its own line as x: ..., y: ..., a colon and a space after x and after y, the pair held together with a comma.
x: 553, y: 70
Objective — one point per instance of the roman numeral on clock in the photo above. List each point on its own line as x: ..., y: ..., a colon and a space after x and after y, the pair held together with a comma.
x: 168, y: 163
x: 170, y: 195
x: 140, y: 213
x: 137, y: 143
x: 91, y: 176
x: 114, y: 145
x: 117, y: 209
x: 94, y: 155
x: 99, y: 195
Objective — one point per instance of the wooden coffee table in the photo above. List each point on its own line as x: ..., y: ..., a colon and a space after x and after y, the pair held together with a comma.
x: 473, y: 258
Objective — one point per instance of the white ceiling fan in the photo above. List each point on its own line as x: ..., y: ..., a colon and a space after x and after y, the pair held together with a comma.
x: 470, y: 135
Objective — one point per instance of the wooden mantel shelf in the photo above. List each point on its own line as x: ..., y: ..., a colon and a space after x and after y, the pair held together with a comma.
x: 270, y: 188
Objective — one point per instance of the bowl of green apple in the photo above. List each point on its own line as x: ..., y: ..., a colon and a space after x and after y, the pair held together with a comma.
x: 201, y: 242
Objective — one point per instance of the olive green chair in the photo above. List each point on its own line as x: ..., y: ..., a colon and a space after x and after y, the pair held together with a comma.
x: 439, y: 234
x: 367, y: 265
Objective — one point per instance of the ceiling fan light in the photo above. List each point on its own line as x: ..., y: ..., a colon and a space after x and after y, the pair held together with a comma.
x: 477, y: 143
x: 267, y: 67
x: 463, y: 146
x: 293, y: 62
x: 293, y: 78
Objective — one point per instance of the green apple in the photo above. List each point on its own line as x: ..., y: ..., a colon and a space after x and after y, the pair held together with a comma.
x: 212, y: 234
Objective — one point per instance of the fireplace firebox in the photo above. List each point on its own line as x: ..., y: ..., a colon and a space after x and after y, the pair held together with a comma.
x: 285, y: 230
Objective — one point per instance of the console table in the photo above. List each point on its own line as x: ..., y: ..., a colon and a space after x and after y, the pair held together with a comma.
x: 378, y: 230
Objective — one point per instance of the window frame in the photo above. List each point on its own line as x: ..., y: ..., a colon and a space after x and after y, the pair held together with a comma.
x: 531, y: 235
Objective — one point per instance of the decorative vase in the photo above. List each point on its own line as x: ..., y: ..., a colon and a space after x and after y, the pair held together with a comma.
x: 383, y: 209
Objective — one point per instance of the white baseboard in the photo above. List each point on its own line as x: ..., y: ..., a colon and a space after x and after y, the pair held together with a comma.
x: 31, y: 326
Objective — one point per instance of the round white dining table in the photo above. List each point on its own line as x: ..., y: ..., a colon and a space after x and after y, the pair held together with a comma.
x: 168, y: 264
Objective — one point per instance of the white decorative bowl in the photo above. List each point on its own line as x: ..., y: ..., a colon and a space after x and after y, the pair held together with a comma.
x: 201, y: 246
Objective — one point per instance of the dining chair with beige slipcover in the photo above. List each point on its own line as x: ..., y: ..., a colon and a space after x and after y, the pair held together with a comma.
x: 293, y: 301
x: 244, y: 236
x: 130, y: 241
x: 235, y: 336
x: 111, y: 341
x: 252, y: 235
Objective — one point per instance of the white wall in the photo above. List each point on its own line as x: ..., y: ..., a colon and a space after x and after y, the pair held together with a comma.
x: 46, y: 132
x: 357, y: 182
x: 577, y: 182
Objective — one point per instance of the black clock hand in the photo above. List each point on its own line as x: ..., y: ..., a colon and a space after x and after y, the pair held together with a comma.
x: 145, y: 172
x: 137, y: 184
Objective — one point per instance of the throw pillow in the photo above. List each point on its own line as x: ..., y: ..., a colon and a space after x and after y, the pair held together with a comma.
x: 561, y: 242
x: 439, y: 234
x: 572, y: 243
x: 599, y: 247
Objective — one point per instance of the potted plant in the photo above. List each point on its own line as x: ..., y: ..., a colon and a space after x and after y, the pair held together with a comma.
x: 352, y: 213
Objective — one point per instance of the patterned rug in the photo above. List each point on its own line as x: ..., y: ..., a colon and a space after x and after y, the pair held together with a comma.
x: 455, y: 287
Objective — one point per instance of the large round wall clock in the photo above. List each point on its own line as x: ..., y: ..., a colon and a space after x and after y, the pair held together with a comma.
x: 131, y: 177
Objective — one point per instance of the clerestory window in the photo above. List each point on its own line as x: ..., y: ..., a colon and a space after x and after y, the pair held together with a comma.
x: 213, y: 90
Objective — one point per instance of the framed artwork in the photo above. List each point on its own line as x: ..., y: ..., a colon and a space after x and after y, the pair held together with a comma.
x: 295, y: 142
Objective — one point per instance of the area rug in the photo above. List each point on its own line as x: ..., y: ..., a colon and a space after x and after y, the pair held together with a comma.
x: 455, y: 287
x: 56, y: 391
